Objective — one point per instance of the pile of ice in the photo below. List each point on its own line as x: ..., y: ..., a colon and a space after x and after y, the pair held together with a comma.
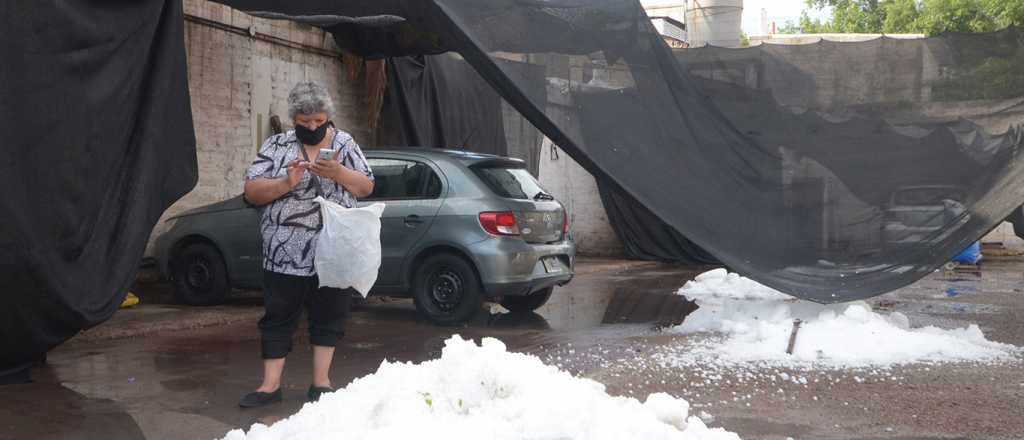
x: 719, y: 283
x: 751, y: 323
x: 475, y: 392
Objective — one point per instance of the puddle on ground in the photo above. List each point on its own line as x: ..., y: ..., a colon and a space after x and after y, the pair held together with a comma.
x: 641, y: 298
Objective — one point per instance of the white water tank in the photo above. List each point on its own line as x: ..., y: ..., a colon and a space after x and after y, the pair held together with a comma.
x: 714, y: 22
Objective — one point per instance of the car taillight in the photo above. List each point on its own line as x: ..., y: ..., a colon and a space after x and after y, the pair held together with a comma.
x: 565, y: 222
x: 499, y: 223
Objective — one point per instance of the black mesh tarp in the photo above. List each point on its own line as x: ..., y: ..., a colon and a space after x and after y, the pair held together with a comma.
x: 97, y: 143
x: 643, y: 235
x: 440, y: 101
x: 831, y: 178
x: 855, y: 190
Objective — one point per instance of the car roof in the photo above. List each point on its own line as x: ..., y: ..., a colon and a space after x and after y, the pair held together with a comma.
x: 467, y: 158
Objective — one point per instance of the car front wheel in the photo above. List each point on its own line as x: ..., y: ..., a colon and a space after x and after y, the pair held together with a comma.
x: 446, y: 289
x: 200, y: 275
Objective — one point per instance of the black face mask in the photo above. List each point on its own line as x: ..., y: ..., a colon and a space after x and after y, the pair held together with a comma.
x: 311, y: 137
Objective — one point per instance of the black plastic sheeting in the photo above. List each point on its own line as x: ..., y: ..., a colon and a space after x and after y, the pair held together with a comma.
x: 440, y: 102
x: 644, y: 236
x: 367, y: 28
x: 1016, y: 218
x: 97, y: 143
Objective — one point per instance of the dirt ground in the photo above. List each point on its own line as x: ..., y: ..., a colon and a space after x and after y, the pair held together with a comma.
x: 166, y: 371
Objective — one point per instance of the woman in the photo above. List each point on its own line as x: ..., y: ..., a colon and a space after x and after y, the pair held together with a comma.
x: 284, y: 181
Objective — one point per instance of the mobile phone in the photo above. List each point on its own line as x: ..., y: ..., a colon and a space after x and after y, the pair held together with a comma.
x: 325, y: 154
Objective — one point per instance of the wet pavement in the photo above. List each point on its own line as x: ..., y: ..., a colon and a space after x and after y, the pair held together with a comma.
x: 165, y: 371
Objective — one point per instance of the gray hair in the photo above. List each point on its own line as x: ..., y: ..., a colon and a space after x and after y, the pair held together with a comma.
x: 308, y: 97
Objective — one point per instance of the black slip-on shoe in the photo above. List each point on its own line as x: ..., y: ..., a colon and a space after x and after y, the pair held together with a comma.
x: 257, y: 399
x: 314, y: 392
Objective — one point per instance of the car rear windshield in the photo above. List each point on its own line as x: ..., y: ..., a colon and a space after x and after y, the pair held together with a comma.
x: 512, y: 183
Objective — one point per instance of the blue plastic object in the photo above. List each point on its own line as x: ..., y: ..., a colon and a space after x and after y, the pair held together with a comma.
x: 971, y: 255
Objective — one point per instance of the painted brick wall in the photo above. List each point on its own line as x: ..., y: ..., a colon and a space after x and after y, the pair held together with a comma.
x: 237, y: 81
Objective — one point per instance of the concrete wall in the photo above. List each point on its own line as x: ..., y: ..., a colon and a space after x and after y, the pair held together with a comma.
x: 675, y: 9
x: 576, y: 189
x: 569, y: 182
x: 815, y: 38
x: 1004, y: 235
x: 240, y: 70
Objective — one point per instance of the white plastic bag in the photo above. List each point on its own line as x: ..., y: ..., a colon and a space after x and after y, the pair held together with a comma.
x: 348, y: 248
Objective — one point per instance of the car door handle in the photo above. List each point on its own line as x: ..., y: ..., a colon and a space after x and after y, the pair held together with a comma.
x: 413, y: 220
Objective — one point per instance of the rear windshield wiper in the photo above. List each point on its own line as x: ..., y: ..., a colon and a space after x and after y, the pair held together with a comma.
x: 543, y: 196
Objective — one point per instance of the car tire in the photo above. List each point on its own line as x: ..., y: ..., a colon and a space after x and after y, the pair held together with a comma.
x: 200, y: 275
x: 527, y: 303
x: 446, y: 289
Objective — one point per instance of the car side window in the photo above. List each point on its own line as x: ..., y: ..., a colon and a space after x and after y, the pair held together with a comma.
x: 400, y: 179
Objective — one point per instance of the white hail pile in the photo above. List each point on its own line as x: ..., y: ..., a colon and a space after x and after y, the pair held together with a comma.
x: 746, y: 322
x: 474, y: 392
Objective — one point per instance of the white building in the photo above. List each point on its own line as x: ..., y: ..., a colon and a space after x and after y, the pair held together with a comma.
x: 672, y: 30
x: 714, y: 22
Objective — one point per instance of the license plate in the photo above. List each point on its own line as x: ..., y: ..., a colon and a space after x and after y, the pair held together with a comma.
x: 551, y: 265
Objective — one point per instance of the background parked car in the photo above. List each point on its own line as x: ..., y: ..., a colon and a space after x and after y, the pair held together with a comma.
x: 459, y: 227
x: 917, y: 213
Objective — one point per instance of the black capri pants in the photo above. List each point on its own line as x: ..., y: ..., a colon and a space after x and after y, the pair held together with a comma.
x: 283, y: 300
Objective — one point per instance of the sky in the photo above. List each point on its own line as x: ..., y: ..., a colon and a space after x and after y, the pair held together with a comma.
x: 778, y: 11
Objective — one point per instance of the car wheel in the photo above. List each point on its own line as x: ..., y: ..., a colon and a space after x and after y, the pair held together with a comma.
x: 446, y: 289
x: 527, y: 303
x: 200, y: 275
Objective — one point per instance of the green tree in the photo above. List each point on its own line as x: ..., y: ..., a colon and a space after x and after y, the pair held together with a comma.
x: 813, y: 26
x: 744, y: 40
x: 864, y: 4
x: 857, y: 17
x: 900, y: 16
x: 931, y: 17
x: 1005, y: 12
x: 849, y: 16
x: 938, y: 16
x: 790, y: 27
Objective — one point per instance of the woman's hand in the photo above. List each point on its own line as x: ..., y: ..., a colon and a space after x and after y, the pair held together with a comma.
x: 354, y: 181
x: 265, y: 190
x: 329, y: 168
x: 296, y: 169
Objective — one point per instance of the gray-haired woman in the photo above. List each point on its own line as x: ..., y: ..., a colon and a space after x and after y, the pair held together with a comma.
x: 284, y: 179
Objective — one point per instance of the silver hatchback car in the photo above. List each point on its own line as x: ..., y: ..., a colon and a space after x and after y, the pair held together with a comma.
x: 459, y: 227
